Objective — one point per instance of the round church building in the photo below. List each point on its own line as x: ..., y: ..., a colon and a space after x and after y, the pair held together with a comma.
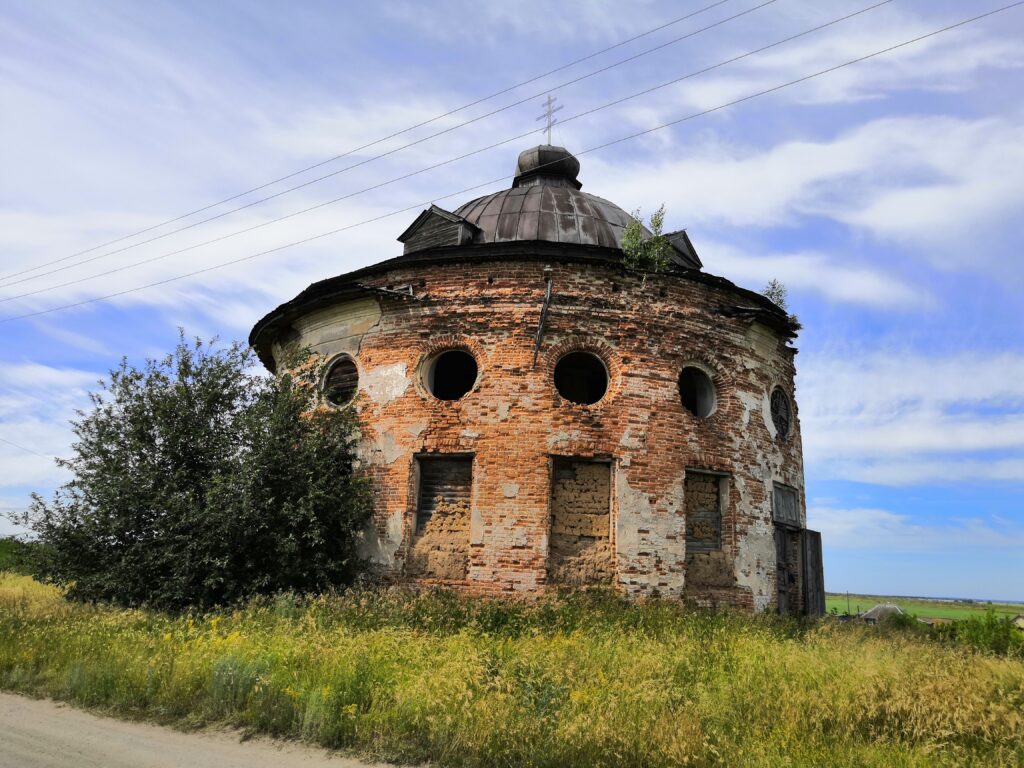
x: 536, y: 416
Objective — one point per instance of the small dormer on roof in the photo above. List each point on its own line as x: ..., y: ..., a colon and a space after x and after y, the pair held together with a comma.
x: 434, y: 228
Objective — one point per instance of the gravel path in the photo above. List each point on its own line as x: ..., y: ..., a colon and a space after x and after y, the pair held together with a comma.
x: 46, y: 734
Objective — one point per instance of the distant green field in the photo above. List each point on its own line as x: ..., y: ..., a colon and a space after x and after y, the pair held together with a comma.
x: 922, y: 607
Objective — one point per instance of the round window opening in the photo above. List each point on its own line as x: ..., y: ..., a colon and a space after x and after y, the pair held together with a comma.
x: 342, y: 381
x: 697, y: 392
x: 781, y: 413
x: 449, y: 375
x: 581, y: 377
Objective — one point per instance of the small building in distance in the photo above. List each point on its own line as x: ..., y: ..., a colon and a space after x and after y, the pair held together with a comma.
x: 880, y: 613
x: 537, y: 416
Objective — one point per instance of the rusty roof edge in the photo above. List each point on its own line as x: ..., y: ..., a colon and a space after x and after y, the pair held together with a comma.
x: 332, y: 288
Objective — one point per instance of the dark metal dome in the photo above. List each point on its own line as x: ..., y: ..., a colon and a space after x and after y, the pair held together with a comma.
x: 559, y: 214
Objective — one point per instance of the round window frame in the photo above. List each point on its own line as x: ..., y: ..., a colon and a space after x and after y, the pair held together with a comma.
x: 712, y: 378
x: 431, y: 356
x: 779, y: 435
x: 604, y: 365
x: 331, y: 363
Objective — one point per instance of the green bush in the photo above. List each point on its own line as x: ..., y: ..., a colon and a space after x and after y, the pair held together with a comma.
x: 17, y: 555
x: 642, y: 253
x: 197, y: 483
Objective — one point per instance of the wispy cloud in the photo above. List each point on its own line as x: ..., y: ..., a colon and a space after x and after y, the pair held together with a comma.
x: 902, y: 418
x: 880, y: 530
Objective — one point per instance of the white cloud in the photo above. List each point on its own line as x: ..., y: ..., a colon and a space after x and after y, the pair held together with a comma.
x: 816, y: 273
x: 933, y: 183
x: 902, y: 418
x: 879, y: 530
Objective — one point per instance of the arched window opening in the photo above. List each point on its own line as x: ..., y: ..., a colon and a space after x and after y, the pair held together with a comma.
x: 342, y: 381
x: 450, y: 374
x: 782, y: 416
x: 697, y: 392
x: 581, y: 377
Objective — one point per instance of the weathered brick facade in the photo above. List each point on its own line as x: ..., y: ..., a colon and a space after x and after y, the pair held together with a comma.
x: 527, y: 444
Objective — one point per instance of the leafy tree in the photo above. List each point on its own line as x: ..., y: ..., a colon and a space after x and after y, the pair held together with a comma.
x: 197, y: 483
x: 777, y: 293
x: 642, y: 253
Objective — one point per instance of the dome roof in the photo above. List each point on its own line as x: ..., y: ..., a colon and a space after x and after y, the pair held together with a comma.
x: 545, y: 204
x: 543, y: 212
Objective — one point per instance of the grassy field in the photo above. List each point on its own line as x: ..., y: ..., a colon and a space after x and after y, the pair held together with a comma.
x: 585, y: 680
x: 921, y: 607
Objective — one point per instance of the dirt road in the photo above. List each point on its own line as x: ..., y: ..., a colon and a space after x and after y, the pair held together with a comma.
x: 45, y: 734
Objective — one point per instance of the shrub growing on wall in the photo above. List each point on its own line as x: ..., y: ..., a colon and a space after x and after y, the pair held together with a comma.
x: 196, y: 483
x: 643, y: 253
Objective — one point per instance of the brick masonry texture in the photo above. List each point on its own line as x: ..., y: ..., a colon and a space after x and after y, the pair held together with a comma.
x: 515, y: 424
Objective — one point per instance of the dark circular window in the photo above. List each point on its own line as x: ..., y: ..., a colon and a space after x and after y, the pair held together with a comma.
x: 580, y: 377
x: 342, y: 381
x: 450, y: 374
x: 696, y: 391
x: 782, y: 416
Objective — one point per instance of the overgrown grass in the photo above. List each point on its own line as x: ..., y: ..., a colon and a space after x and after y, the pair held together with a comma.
x: 586, y: 680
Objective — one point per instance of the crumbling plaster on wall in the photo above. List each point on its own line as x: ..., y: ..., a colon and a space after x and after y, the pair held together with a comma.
x: 513, y: 420
x: 650, y: 539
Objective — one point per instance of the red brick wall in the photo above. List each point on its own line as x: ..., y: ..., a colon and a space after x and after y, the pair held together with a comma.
x: 513, y: 420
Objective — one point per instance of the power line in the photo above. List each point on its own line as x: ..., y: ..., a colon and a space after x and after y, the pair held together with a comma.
x: 27, y: 450
x: 374, y: 158
x: 403, y: 177
x: 597, y: 148
x: 375, y: 142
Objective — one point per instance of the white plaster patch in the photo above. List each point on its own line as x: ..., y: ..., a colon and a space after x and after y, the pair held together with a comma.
x: 476, y: 527
x: 386, y: 382
x: 664, y: 539
x: 379, y: 549
x: 387, y: 448
x: 756, y: 559
x: 750, y: 402
x: 511, y: 490
x: 766, y: 414
x: 503, y: 409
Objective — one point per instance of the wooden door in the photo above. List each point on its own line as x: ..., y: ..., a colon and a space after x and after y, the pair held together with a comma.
x: 814, y: 574
x: 783, y: 575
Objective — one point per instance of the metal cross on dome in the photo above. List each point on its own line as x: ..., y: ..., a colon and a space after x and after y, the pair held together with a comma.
x: 549, y: 114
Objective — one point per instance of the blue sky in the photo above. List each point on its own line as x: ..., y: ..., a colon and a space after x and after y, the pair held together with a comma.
x: 886, y: 195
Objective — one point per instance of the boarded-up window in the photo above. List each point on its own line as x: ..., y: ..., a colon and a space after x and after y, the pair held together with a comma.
x: 341, y: 381
x: 703, y: 511
x: 440, y: 546
x: 708, y: 566
x: 580, y: 551
x: 785, y: 505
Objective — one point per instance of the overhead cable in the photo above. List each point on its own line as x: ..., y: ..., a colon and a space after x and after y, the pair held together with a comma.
x: 373, y: 143
x: 440, y: 164
x: 597, y: 148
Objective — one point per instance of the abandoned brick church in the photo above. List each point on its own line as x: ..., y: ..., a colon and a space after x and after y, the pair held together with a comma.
x: 537, y: 416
